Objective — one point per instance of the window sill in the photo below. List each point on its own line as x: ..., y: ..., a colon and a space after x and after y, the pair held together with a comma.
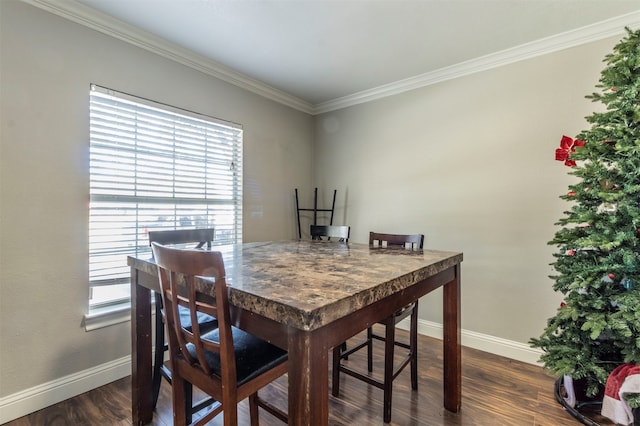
x: 105, y: 317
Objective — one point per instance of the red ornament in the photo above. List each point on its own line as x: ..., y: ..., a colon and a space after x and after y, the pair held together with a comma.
x: 563, y: 304
x: 567, y: 146
x: 571, y: 193
x: 611, y: 276
x: 571, y: 253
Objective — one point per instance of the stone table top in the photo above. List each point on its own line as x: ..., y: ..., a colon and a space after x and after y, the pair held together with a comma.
x: 307, y: 284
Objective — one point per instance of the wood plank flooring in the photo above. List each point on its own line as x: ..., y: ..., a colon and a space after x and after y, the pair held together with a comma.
x: 496, y: 391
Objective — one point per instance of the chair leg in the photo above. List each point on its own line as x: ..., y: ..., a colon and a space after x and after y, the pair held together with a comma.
x: 230, y: 414
x: 188, y: 401
x: 335, y: 372
x: 253, y: 409
x: 369, y: 349
x: 159, y: 351
x: 413, y: 343
x: 177, y: 396
x: 158, y: 363
x: 389, y: 347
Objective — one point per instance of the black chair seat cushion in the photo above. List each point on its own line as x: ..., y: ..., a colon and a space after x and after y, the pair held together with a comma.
x: 207, y: 322
x: 253, y: 355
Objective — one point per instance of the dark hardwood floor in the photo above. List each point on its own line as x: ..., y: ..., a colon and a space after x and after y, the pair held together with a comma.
x: 495, y: 391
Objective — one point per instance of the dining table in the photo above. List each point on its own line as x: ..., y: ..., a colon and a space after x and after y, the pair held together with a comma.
x: 307, y: 297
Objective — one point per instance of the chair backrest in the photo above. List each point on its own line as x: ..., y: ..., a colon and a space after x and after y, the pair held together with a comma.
x: 330, y: 231
x: 177, y: 270
x: 201, y: 236
x: 411, y: 241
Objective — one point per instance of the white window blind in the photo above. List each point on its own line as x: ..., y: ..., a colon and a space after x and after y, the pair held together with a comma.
x: 155, y: 167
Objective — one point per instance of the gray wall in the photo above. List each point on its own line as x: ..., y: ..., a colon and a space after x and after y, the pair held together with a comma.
x: 470, y: 163
x: 47, y: 64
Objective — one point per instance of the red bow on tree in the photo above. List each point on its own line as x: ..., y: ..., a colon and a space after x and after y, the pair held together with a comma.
x: 567, y: 146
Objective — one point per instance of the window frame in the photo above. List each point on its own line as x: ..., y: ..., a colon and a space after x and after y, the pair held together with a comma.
x: 204, y: 183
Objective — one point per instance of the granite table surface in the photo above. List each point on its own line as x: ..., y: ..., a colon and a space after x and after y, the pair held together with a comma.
x: 307, y: 284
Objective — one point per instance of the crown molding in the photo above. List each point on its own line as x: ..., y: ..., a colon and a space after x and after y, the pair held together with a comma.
x: 609, y: 28
x: 105, y: 24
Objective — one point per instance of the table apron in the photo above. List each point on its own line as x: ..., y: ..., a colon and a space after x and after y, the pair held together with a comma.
x: 348, y: 326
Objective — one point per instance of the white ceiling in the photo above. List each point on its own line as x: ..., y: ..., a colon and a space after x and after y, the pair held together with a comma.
x: 324, y: 51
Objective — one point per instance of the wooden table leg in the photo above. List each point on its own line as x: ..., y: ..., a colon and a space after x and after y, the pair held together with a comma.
x: 452, y: 344
x: 141, y: 368
x: 308, y: 379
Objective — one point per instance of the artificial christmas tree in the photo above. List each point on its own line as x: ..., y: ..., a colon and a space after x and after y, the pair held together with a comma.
x: 597, y: 327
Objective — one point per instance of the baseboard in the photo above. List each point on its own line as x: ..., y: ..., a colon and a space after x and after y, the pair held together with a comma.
x: 41, y: 396
x: 484, y: 342
x: 503, y: 347
x: 46, y: 394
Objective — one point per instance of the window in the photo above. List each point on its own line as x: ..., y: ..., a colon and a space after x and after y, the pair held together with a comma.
x: 154, y: 167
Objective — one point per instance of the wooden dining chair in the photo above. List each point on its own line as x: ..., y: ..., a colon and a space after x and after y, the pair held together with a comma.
x: 227, y: 363
x: 341, y: 232
x: 393, y: 242
x: 199, y: 238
